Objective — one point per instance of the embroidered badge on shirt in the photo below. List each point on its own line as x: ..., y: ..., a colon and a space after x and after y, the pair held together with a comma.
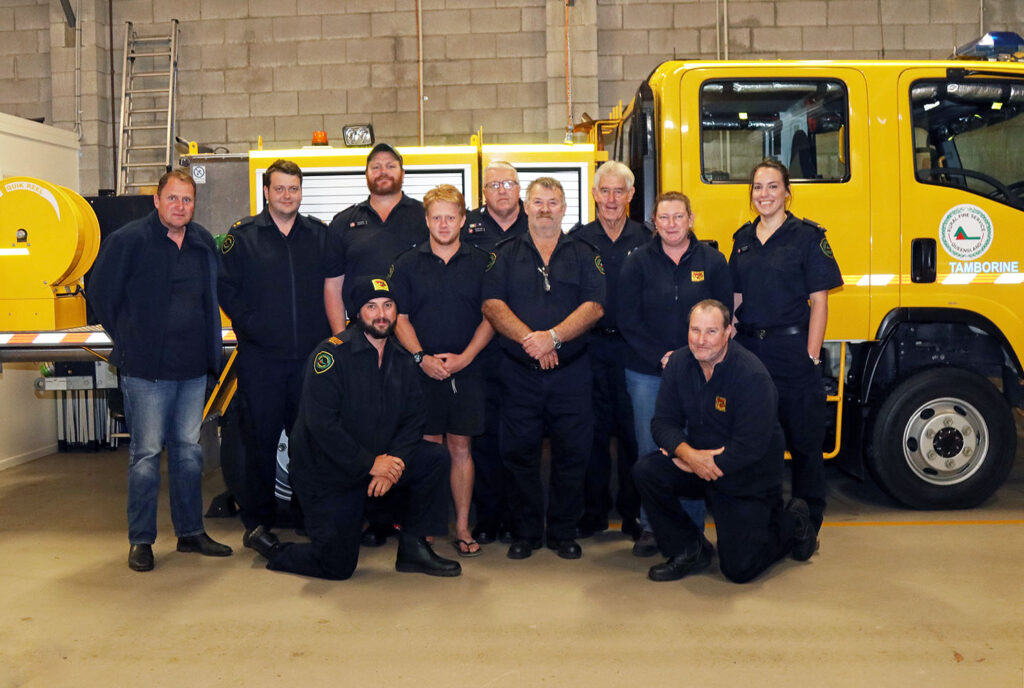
x: 490, y: 263
x: 599, y: 264
x: 825, y: 248
x: 322, y: 362
x: 720, y: 404
x: 697, y: 276
x: 227, y: 244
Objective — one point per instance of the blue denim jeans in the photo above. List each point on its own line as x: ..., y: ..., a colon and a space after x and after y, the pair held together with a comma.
x: 643, y: 392
x: 159, y: 413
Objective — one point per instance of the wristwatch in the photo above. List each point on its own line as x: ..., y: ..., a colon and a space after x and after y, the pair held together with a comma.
x: 554, y: 339
x: 417, y: 357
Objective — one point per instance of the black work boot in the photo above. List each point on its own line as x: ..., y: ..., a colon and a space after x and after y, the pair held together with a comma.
x: 684, y: 564
x: 415, y: 555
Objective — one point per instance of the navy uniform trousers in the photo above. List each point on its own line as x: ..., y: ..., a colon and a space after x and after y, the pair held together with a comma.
x: 334, y: 518
x: 490, y: 485
x: 802, y: 413
x: 559, y: 401
x: 753, y: 530
x: 613, y: 417
x: 272, y: 388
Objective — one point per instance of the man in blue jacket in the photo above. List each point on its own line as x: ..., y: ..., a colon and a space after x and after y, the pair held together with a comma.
x: 716, y: 423
x: 154, y: 288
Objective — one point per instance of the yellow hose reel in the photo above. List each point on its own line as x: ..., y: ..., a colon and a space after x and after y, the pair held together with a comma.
x: 49, y: 238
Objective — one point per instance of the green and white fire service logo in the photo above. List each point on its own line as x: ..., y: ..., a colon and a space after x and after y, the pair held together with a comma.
x: 966, y: 232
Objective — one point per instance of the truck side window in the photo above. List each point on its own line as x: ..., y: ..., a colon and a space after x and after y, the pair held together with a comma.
x: 801, y: 122
x: 967, y: 134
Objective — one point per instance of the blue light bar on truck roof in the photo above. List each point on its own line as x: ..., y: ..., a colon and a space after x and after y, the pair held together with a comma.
x: 995, y: 45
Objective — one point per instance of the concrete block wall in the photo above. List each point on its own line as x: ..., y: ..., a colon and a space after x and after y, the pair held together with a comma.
x: 281, y: 69
x: 25, y: 59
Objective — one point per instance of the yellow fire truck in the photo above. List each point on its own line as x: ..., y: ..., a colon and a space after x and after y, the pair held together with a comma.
x: 917, y: 171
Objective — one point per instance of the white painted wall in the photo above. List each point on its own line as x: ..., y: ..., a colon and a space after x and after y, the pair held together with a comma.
x: 28, y: 425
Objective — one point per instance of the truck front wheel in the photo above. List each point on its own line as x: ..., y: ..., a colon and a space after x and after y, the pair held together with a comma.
x: 943, y: 439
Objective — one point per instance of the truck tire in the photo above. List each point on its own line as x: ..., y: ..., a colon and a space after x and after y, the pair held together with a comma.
x: 943, y: 439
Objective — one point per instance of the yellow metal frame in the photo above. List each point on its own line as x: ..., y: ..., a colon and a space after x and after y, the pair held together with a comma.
x: 222, y: 394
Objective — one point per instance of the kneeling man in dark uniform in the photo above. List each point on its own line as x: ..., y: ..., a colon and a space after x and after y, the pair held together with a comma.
x: 359, y: 435
x: 716, y: 422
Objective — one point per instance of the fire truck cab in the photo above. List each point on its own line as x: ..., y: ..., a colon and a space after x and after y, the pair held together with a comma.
x: 916, y: 170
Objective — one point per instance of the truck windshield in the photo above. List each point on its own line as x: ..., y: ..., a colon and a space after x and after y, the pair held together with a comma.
x: 969, y: 134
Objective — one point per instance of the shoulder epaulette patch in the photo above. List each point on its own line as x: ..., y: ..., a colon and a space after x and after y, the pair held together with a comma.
x: 335, y: 341
x: 390, y: 273
x: 812, y: 223
x: 316, y: 219
x: 736, y: 233
x: 322, y: 362
x: 228, y: 243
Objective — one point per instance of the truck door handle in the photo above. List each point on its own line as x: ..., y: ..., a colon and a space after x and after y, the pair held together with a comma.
x: 922, y: 260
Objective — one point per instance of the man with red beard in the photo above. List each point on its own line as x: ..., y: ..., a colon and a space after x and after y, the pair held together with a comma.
x: 373, y: 233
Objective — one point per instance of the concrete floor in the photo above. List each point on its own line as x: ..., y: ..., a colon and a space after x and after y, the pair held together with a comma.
x: 894, y: 598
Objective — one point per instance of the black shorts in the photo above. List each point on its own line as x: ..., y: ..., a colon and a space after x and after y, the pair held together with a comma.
x: 454, y: 406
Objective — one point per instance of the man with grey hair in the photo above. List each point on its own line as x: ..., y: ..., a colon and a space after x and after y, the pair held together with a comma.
x: 501, y: 217
x: 613, y: 234
x: 502, y: 214
x: 543, y: 291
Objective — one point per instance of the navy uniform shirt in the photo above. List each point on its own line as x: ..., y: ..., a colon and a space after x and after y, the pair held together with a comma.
x: 369, y: 245
x: 777, y: 278
x: 735, y: 409
x: 483, y: 231
x: 613, y: 254
x: 353, y: 410
x: 656, y: 295
x: 575, y: 275
x: 272, y: 285
x: 442, y: 300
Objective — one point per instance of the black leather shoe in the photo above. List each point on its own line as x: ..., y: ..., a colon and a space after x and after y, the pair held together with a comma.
x: 588, y: 528
x: 203, y: 544
x: 683, y: 565
x: 805, y: 538
x: 485, y: 533
x: 522, y: 548
x: 376, y: 535
x: 566, y: 549
x: 415, y: 555
x: 646, y: 545
x: 632, y: 529
x: 140, y: 558
x: 263, y: 541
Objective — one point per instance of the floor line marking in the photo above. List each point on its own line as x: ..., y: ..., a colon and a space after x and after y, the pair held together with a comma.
x: 850, y: 524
